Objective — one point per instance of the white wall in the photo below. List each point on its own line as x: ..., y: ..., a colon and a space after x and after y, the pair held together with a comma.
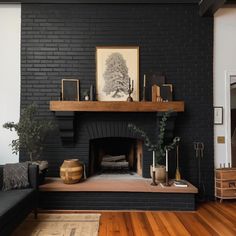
x: 224, y: 62
x: 10, y: 23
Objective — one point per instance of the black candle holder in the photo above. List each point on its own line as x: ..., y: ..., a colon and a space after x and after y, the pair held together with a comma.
x: 167, y: 184
x: 154, y: 178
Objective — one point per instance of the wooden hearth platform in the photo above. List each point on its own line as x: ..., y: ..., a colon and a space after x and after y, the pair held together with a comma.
x: 102, y: 193
x: 99, y: 184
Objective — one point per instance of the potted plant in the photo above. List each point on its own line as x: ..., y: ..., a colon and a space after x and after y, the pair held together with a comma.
x: 159, y: 148
x: 31, y: 135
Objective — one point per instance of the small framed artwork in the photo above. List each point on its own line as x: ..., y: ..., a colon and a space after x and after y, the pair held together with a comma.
x: 218, y: 115
x: 117, y: 68
x: 70, y: 89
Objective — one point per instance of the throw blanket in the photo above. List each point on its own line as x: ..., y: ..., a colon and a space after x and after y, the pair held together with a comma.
x: 15, y: 176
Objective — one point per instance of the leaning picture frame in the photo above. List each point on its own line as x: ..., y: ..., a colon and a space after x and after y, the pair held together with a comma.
x: 117, y: 68
x: 70, y: 89
x: 218, y: 115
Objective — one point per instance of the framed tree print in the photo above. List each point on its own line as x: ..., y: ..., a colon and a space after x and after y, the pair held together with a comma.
x: 117, y: 69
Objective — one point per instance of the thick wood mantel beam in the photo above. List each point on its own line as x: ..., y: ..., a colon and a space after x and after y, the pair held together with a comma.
x: 98, y: 106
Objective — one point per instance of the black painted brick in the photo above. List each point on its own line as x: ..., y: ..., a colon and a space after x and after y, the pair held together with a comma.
x: 59, y: 40
x: 117, y: 201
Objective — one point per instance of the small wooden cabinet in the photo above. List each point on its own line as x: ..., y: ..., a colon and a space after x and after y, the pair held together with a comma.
x: 225, y: 183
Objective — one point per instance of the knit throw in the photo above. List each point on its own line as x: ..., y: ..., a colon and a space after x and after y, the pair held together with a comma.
x: 15, y: 176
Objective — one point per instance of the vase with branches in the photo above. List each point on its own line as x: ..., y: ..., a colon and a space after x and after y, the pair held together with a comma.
x: 159, y: 147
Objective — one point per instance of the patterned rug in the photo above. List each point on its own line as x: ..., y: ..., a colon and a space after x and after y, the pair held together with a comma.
x: 59, y: 225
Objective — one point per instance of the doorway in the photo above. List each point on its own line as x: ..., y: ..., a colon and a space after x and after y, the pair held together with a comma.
x: 233, y: 118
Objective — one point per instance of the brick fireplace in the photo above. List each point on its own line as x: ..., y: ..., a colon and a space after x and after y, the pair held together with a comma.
x: 59, y: 40
x: 87, y: 134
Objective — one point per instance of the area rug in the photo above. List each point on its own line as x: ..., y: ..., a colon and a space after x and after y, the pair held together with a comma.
x: 59, y: 225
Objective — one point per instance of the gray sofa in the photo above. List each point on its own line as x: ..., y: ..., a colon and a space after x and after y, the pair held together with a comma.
x: 15, y: 205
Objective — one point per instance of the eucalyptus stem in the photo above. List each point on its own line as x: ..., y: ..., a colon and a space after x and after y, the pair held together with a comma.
x: 159, y: 147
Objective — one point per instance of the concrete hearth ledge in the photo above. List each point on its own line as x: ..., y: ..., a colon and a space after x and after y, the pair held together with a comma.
x: 104, y: 184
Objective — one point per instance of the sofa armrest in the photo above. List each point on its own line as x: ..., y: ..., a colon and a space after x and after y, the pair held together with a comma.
x: 34, y: 176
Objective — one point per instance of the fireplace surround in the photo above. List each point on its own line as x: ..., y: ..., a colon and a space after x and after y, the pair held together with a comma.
x: 79, y: 128
x: 58, y: 41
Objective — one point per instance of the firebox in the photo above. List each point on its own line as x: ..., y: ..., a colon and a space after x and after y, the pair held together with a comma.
x: 115, y: 155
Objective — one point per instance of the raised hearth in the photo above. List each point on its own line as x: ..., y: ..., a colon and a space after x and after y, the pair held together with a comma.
x: 115, y: 193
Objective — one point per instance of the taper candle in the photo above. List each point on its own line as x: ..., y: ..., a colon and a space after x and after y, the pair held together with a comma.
x: 166, y: 160
x: 144, y: 81
x: 153, y: 160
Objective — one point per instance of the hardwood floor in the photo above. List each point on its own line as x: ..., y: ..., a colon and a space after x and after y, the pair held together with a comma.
x: 211, y: 218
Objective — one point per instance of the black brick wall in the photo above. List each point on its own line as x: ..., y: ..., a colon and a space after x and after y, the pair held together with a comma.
x: 117, y: 201
x: 59, y: 40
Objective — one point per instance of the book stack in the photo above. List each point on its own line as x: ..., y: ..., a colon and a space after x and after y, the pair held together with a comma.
x: 181, y: 183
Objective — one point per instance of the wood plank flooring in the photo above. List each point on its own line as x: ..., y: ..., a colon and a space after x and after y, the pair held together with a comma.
x: 211, y: 218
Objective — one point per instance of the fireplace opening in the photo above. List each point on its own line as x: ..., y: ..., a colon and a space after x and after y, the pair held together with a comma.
x: 115, y: 155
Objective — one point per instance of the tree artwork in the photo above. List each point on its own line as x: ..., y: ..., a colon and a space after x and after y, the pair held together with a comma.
x: 116, y: 76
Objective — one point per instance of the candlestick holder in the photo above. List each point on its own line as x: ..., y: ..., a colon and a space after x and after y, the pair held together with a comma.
x: 144, y: 94
x: 130, y: 91
x: 153, y: 178
x: 167, y: 184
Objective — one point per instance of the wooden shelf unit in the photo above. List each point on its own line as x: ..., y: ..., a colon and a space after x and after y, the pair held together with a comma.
x: 225, y: 183
x: 100, y: 106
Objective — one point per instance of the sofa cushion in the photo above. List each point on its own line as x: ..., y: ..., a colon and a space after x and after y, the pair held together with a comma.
x: 15, y: 202
x: 15, y: 176
x: 11, y: 198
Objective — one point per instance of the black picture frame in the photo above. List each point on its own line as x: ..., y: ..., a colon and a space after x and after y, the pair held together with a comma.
x: 218, y: 115
x: 70, y: 89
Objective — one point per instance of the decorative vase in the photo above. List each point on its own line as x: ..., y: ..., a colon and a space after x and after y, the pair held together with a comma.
x: 160, y: 173
x: 71, y: 171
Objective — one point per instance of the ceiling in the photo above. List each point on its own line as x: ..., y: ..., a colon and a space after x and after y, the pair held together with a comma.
x: 209, y: 7
x: 206, y: 7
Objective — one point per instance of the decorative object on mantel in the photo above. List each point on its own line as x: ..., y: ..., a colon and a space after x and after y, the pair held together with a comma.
x: 86, y: 95
x: 156, y: 94
x: 71, y: 171
x: 91, y: 93
x: 144, y: 88
x: 130, y: 91
x: 157, y: 79
x: 163, y: 93
x: 115, y: 65
x: 70, y: 89
x: 159, y: 149
x: 32, y: 133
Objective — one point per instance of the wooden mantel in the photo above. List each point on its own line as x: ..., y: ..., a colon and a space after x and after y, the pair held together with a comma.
x: 100, y: 106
